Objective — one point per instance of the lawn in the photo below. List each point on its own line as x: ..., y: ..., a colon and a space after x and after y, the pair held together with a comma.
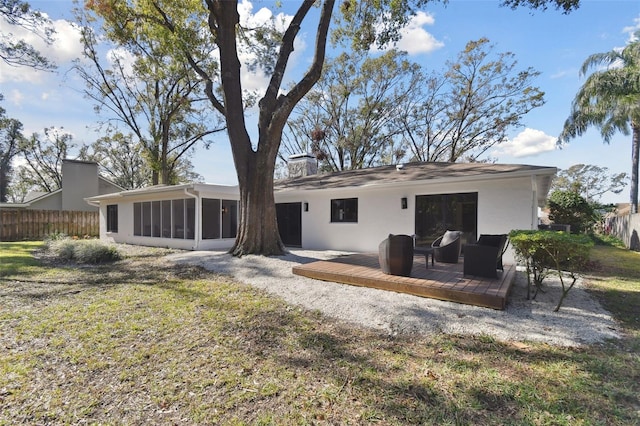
x: 140, y: 341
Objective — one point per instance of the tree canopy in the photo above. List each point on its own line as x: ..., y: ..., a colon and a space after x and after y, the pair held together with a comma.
x: 185, y: 28
x: 609, y: 99
x: 471, y: 106
x: 349, y: 119
x: 15, y: 51
x: 590, y: 181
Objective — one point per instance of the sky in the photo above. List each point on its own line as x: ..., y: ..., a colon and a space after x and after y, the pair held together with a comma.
x: 551, y: 42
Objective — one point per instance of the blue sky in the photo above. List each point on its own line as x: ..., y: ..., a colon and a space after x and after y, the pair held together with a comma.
x: 553, y: 43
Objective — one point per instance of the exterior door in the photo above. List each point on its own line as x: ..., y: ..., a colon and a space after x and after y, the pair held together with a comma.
x: 289, y: 217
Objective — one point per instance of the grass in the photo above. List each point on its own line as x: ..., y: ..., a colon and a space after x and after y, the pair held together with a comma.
x: 139, y: 341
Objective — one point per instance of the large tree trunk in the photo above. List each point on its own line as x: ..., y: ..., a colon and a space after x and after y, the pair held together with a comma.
x: 258, y: 229
x: 4, y: 183
x: 635, y: 155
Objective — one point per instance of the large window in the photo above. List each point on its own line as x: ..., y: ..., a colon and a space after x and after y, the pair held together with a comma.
x: 146, y: 219
x: 344, y: 210
x: 137, y: 218
x: 229, y: 218
x: 166, y: 218
x: 219, y: 218
x: 156, y: 218
x: 112, y: 218
x: 178, y: 218
x: 165, y: 207
x: 436, y: 214
x: 210, y: 219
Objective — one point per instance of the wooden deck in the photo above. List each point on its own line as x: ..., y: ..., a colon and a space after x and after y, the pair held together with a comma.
x: 441, y: 281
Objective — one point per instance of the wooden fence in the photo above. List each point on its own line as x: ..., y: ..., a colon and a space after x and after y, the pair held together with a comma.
x: 20, y: 225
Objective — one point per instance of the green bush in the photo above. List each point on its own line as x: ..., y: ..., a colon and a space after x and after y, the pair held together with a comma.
x: 82, y: 251
x: 549, y: 252
x: 570, y: 208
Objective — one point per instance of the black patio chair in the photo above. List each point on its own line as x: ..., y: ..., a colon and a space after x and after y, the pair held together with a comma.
x: 446, y: 249
x: 395, y: 254
x: 484, y: 257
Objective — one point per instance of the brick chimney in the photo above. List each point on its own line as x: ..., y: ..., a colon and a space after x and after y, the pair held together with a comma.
x: 302, y: 165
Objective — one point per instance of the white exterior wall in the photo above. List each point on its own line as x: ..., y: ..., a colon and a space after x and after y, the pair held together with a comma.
x: 503, y: 205
x: 125, y: 222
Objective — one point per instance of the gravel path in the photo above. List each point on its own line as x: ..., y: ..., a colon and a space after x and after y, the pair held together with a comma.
x: 581, y: 319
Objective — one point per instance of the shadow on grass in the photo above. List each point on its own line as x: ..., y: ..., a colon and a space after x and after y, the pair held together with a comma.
x: 345, y: 370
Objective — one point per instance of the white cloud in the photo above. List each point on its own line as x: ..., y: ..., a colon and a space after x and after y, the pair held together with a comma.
x: 527, y: 143
x: 65, y: 48
x: 126, y: 58
x: 415, y: 39
x: 632, y: 29
x: 257, y: 80
x: 572, y: 73
x: 16, y: 97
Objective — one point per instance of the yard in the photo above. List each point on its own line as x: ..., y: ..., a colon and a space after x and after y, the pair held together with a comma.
x: 142, y: 342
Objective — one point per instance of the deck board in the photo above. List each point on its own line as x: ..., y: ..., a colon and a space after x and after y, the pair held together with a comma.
x: 441, y: 281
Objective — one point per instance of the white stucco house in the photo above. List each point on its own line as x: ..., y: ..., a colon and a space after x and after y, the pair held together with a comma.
x: 351, y: 210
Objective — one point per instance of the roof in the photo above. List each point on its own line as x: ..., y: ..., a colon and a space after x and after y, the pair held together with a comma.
x: 161, y: 188
x: 407, y: 174
x: 412, y: 173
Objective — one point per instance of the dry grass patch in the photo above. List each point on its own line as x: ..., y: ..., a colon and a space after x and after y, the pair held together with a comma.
x: 143, y: 342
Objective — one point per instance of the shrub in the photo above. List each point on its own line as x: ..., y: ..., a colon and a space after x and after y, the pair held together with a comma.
x: 82, y: 251
x: 547, y: 252
x: 570, y: 208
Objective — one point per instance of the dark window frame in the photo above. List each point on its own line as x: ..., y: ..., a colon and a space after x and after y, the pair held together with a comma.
x: 112, y: 218
x: 344, y: 210
x: 437, y: 213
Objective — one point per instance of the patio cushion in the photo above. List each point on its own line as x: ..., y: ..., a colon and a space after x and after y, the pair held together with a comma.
x: 449, y: 252
x: 449, y: 237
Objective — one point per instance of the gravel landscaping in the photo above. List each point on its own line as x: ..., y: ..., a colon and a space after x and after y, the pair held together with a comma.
x: 580, y: 321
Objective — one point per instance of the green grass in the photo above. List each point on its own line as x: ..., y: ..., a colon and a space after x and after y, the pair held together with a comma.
x: 17, y: 258
x: 137, y: 342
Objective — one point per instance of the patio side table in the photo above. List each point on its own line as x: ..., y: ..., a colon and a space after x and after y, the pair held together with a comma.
x: 426, y: 251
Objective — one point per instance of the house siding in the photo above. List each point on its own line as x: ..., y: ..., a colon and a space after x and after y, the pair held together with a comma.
x: 503, y: 205
x: 505, y: 202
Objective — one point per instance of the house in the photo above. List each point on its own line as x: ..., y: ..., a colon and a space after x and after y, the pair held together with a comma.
x: 80, y: 179
x: 351, y: 210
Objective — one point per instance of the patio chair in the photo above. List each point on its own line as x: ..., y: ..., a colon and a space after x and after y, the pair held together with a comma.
x: 484, y: 257
x: 446, y: 249
x: 395, y: 254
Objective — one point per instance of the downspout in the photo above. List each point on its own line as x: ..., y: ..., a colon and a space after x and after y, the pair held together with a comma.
x: 196, y: 231
x: 534, y: 202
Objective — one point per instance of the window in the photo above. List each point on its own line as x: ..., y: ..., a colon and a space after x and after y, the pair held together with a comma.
x: 112, y: 218
x: 436, y: 214
x: 219, y: 218
x: 229, y: 218
x: 155, y: 218
x: 165, y: 207
x: 178, y: 218
x: 137, y: 218
x: 164, y: 219
x: 146, y: 219
x: 344, y: 210
x: 190, y: 218
x: 210, y: 219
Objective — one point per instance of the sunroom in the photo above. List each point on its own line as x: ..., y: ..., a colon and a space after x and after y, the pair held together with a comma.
x: 191, y: 216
